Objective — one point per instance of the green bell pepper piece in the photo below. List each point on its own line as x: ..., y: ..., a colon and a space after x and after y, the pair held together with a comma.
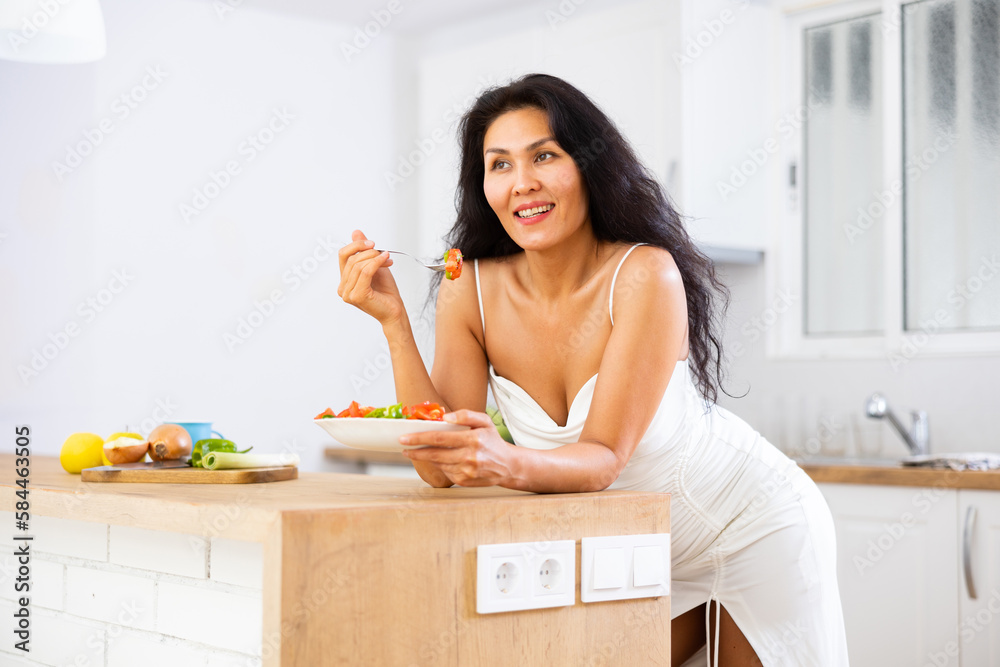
x: 203, y: 447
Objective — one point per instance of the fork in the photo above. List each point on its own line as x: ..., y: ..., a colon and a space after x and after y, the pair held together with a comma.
x: 436, y: 266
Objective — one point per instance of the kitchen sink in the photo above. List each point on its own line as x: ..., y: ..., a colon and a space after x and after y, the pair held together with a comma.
x: 943, y: 461
x: 848, y: 461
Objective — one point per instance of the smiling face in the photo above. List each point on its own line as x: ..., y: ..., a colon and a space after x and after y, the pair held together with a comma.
x: 531, y: 183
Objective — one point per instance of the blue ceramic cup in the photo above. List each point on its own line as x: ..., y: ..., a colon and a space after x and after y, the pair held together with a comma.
x: 199, y: 430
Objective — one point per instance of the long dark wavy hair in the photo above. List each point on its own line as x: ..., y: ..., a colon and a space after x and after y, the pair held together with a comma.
x: 625, y: 203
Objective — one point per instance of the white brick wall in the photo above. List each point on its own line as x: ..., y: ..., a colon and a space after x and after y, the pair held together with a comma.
x: 112, y: 597
x: 227, y: 620
x: 237, y: 562
x: 73, y: 642
x: 142, y: 599
x: 14, y: 661
x: 161, y: 551
x: 61, y: 640
x: 47, y: 584
x: 218, y: 659
x: 70, y: 538
x: 8, y: 574
x: 58, y: 639
x: 146, y: 649
x: 131, y: 649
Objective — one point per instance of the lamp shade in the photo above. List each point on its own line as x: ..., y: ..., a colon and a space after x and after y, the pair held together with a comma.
x: 51, y: 31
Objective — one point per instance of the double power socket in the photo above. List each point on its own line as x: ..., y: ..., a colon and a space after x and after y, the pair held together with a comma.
x: 537, y: 575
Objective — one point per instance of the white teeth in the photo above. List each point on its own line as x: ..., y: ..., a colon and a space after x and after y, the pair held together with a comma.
x: 532, y: 212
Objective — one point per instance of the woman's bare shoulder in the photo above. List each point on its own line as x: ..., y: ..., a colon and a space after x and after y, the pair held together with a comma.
x: 649, y: 273
x: 455, y: 296
x: 647, y: 261
x: 458, y: 300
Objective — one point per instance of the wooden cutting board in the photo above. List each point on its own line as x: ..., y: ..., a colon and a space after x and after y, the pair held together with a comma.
x: 189, y: 475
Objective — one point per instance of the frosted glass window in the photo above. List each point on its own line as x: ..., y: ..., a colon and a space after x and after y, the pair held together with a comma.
x: 951, y: 103
x: 843, y: 178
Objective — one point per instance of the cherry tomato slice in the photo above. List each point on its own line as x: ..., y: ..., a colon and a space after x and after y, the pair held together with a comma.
x: 426, y: 410
x: 453, y: 264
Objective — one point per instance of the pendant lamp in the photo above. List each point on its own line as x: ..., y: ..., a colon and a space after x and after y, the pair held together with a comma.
x: 51, y: 31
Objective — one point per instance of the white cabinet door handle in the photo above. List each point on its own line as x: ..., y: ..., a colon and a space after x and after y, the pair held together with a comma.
x: 970, y: 523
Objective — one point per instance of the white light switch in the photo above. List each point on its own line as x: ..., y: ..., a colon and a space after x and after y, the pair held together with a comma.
x: 647, y: 566
x: 609, y: 568
x: 624, y: 567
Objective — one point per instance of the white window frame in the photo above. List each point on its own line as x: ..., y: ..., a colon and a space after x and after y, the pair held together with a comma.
x: 784, y: 273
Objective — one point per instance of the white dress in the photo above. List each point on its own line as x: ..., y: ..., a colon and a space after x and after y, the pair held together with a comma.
x: 749, y: 528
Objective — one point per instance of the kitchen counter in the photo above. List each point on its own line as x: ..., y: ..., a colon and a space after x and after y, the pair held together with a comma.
x: 192, y: 508
x: 351, y: 569
x: 903, y: 476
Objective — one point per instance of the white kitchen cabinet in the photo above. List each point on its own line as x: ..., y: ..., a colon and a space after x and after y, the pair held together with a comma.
x: 898, y: 570
x: 909, y: 560
x: 732, y: 126
x: 979, y: 625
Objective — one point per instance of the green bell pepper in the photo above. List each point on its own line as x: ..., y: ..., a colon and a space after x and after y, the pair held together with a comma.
x: 203, y: 447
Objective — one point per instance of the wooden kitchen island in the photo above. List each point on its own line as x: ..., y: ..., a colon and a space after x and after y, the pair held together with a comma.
x: 354, y: 569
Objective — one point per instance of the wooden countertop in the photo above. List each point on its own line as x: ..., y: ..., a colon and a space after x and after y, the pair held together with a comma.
x: 903, y: 476
x: 239, y: 511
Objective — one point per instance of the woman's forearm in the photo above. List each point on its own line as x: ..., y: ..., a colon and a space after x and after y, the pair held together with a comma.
x: 573, y: 468
x: 413, y: 385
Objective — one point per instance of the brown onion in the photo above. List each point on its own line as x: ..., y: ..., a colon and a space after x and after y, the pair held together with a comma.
x: 125, y: 450
x: 169, y: 441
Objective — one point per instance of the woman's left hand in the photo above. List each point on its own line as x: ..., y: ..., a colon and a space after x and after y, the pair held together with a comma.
x: 475, y: 457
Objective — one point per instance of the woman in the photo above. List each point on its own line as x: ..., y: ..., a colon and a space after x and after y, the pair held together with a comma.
x: 589, y: 314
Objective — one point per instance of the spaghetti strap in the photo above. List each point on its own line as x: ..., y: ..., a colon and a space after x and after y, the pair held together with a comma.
x: 479, y: 295
x: 611, y: 294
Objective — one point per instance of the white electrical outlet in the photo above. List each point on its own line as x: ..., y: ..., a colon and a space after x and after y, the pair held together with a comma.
x: 622, y: 567
x: 550, y: 577
x: 525, y: 575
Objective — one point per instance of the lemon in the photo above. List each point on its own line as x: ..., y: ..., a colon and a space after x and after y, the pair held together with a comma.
x: 81, y: 450
x: 115, y: 436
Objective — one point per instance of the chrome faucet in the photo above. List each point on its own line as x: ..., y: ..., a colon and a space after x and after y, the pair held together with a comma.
x: 917, y: 437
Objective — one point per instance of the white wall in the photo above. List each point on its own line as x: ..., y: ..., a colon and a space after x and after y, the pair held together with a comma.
x: 161, y: 340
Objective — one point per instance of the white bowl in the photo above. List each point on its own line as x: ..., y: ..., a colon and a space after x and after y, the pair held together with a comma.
x: 378, y: 434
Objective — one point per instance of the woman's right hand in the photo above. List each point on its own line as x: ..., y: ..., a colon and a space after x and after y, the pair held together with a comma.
x: 365, y: 280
